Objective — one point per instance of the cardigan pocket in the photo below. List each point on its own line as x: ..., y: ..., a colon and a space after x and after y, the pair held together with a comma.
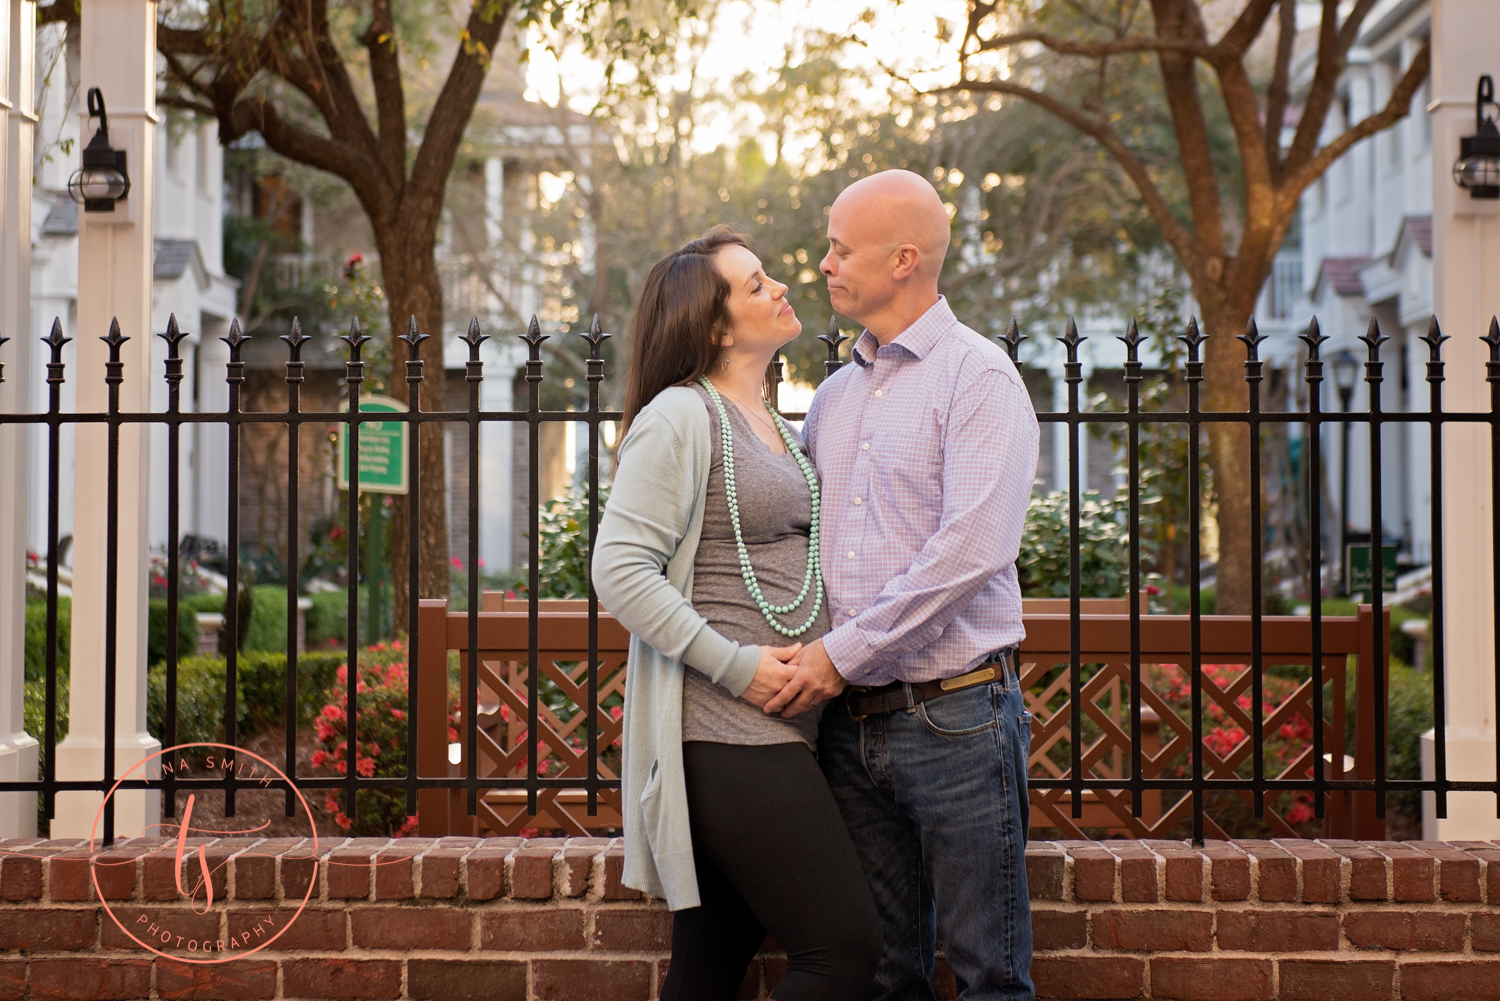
x: 651, y: 808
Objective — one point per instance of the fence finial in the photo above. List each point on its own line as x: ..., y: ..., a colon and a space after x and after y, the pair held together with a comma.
x: 354, y: 368
x: 1313, y: 337
x: 833, y: 339
x: 3, y: 341
x: 473, y: 337
x: 413, y: 339
x: 56, y: 370
x: 173, y: 363
x: 1252, y: 338
x: 1373, y: 338
x: 1012, y: 339
x: 114, y: 369
x: 294, y: 340
x: 1132, y: 340
x: 596, y: 338
x: 1194, y: 340
x: 1434, y: 339
x: 1492, y: 367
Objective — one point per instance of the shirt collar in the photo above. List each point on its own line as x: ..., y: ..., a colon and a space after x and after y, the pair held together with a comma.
x: 916, y: 340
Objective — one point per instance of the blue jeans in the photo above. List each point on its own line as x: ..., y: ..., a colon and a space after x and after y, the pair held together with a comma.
x: 935, y: 800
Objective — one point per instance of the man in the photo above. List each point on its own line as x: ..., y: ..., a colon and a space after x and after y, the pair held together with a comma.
x: 927, y: 448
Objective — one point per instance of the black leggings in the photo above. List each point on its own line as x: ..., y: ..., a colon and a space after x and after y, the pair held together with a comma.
x: 772, y: 855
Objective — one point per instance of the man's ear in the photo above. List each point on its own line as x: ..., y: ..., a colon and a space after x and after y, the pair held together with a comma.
x: 906, y: 261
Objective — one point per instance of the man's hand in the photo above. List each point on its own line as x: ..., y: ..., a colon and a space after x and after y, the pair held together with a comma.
x: 816, y: 681
x: 772, y: 674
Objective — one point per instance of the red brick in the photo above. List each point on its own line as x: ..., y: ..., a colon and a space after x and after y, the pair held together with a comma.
x: 1485, y: 933
x: 440, y: 873
x: 348, y: 874
x: 355, y: 980
x: 586, y: 980
x: 312, y: 929
x: 1469, y: 981
x: 1229, y: 872
x: 254, y: 875
x: 1458, y: 876
x: 1045, y: 874
x: 393, y: 875
x: 1214, y: 979
x: 69, y: 878
x: 217, y: 857
x: 36, y: 929
x: 1138, y: 879
x: 20, y: 877
x: 1275, y: 871
x: 89, y: 979
x: 1153, y: 930
x: 634, y: 930
x: 1367, y: 878
x: 1492, y: 877
x: 1413, y: 876
x: 577, y: 868
x: 1059, y: 929
x: 1278, y: 931
x: 1184, y: 875
x: 531, y: 874
x: 1092, y: 977
x: 13, y: 980
x: 179, y: 923
x: 465, y: 980
x: 1093, y: 874
x: 614, y: 871
x: 1337, y: 980
x: 299, y: 873
x: 159, y: 876
x: 484, y: 873
x: 1426, y: 931
x: 538, y: 930
x: 237, y: 980
x: 1321, y: 871
x: 408, y: 928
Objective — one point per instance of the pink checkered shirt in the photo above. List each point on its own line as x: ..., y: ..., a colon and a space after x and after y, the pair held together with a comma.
x: 927, y: 450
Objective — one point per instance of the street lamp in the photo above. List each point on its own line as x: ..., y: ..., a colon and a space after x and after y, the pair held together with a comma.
x: 102, y: 180
x: 1477, y: 170
x: 1345, y: 374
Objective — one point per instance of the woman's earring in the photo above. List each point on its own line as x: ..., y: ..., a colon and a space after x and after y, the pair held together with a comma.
x: 724, y: 364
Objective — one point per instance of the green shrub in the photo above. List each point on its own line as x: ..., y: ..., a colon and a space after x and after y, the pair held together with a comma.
x: 1103, y: 549
x: 36, y: 638
x: 267, y: 630
x: 260, y: 695
x: 156, y: 636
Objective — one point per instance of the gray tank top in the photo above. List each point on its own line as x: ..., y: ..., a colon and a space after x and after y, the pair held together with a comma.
x: 775, y: 519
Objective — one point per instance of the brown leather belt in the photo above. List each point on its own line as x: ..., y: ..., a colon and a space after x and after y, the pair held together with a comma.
x: 863, y: 702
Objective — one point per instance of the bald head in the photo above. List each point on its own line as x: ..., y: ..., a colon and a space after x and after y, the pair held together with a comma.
x: 887, y: 236
x: 896, y: 207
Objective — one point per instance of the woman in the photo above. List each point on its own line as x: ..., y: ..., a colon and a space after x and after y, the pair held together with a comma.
x: 708, y: 554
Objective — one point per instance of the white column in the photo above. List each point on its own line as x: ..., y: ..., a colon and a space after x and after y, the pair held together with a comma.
x: 18, y: 750
x: 114, y: 265
x: 495, y: 458
x: 1466, y: 293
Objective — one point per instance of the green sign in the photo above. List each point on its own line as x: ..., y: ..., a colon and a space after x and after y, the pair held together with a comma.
x: 382, y: 448
x: 1358, y: 561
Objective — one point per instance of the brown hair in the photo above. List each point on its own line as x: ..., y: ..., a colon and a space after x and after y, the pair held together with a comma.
x: 678, y: 320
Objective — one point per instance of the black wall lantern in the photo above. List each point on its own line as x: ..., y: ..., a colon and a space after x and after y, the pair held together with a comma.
x: 102, y: 180
x: 1478, y: 168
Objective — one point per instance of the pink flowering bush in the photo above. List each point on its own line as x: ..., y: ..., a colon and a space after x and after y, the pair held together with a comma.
x: 379, y: 745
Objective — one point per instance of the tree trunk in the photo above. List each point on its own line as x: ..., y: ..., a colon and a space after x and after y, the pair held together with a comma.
x: 1229, y: 447
x: 413, y: 288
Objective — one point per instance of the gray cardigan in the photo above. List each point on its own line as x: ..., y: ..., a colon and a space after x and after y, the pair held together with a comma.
x: 643, y: 573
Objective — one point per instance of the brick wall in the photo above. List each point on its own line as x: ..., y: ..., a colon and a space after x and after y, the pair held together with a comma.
x: 502, y: 919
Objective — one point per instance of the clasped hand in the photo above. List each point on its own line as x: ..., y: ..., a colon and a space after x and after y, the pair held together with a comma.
x: 792, y: 679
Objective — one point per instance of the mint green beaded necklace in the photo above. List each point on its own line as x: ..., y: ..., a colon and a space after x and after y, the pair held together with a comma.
x: 813, y: 579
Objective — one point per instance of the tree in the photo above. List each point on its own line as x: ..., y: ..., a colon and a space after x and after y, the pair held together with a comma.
x: 1236, y: 214
x: 327, y: 86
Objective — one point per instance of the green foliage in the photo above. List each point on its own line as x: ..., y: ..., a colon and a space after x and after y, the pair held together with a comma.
x: 328, y: 620
x: 260, y: 693
x: 1103, y: 550
x: 157, y: 632
x: 36, y: 638
x: 563, y: 567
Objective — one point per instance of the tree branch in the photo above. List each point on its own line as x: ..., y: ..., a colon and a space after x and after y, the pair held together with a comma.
x: 1396, y: 108
x: 1181, y: 19
x: 1097, y: 50
x: 390, y: 101
x: 1278, y: 94
x: 1321, y: 92
x: 1176, y: 234
x: 1246, y: 28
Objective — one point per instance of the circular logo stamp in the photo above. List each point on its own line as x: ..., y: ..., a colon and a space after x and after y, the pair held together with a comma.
x: 198, y: 933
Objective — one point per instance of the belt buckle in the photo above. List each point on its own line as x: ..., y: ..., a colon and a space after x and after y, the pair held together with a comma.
x: 849, y: 702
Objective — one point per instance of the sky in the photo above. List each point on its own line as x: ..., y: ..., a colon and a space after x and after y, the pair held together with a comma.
x: 751, y: 36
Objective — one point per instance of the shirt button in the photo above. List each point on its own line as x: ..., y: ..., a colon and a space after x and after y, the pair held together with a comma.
x: 849, y: 611
x: 851, y: 554
x: 879, y: 392
x: 865, y: 446
x: 858, y: 501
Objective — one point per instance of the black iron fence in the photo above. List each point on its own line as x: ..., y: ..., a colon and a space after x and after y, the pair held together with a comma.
x: 1313, y: 774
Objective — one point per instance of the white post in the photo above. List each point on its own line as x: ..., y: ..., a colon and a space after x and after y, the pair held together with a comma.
x: 18, y: 750
x: 115, y: 269
x: 1466, y: 293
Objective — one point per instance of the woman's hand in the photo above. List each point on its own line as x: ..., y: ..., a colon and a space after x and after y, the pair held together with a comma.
x: 771, y: 674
